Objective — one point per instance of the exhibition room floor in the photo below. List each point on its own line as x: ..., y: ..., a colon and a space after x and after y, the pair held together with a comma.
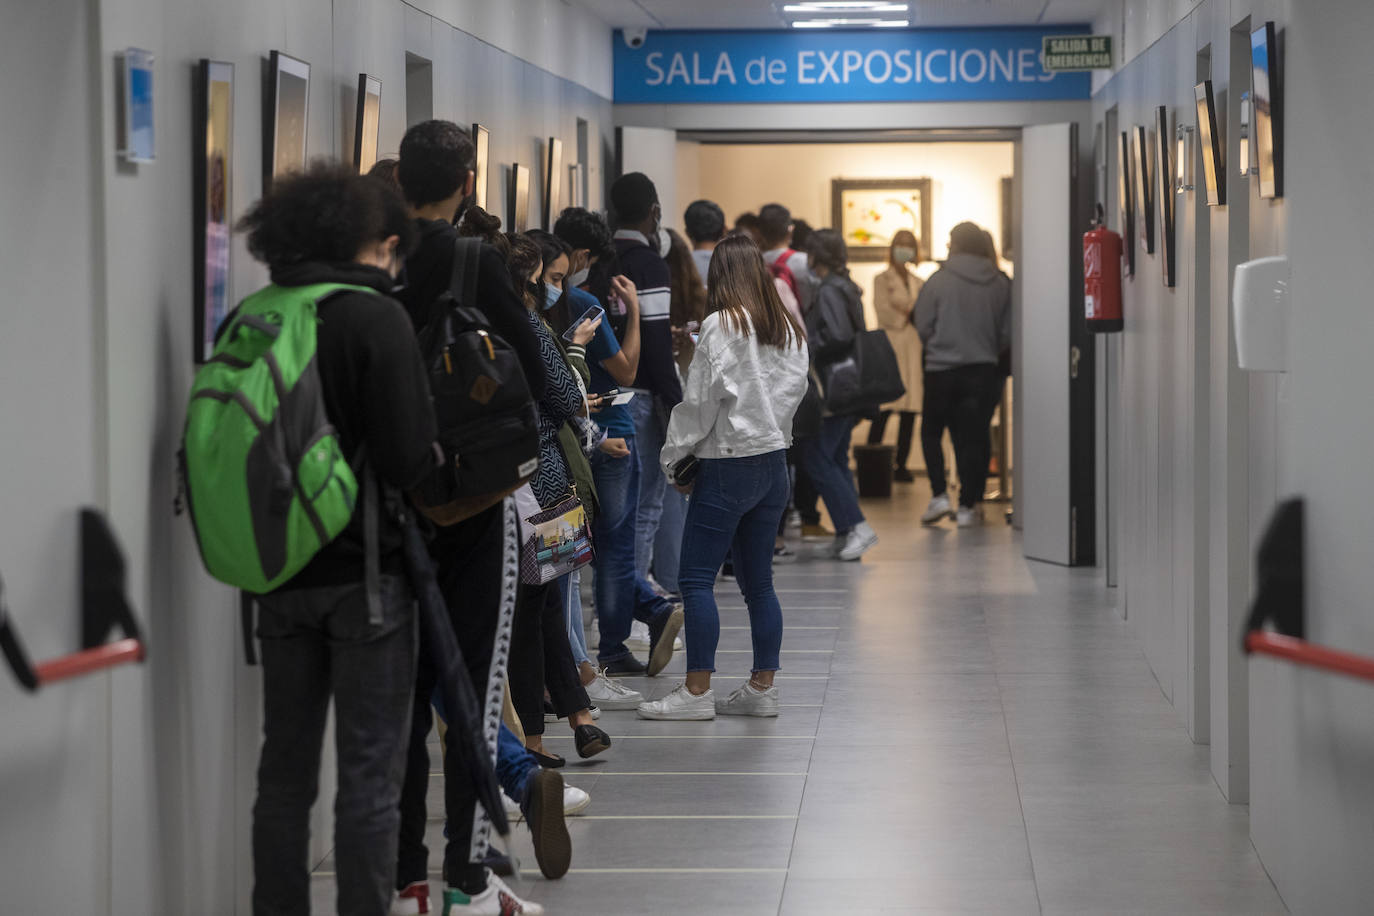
x: 962, y: 731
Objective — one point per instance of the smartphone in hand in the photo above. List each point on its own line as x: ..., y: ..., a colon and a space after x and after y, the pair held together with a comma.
x: 590, y: 314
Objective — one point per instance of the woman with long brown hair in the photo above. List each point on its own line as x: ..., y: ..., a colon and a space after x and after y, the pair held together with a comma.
x: 744, y: 384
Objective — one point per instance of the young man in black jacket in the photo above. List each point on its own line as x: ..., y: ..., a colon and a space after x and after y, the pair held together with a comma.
x: 320, y: 635
x: 435, y: 173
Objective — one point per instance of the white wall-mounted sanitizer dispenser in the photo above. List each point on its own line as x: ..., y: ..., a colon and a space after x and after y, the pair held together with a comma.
x: 1261, y: 306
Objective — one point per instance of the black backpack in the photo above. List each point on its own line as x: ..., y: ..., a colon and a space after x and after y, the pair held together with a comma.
x: 487, y: 424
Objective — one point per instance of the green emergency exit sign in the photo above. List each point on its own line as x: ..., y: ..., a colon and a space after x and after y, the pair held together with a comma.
x: 1077, y: 52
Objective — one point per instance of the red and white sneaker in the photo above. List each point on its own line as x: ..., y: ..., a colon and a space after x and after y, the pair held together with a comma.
x: 412, y: 901
x: 496, y: 900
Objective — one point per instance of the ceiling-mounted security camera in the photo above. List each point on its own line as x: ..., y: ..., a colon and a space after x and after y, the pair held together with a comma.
x: 634, y: 38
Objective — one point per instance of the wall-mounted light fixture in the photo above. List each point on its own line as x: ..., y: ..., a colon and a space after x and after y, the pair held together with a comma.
x: 1244, y: 158
x: 1184, y: 156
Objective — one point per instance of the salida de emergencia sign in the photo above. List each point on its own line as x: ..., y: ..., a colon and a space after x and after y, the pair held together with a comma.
x: 1077, y: 52
x: 886, y: 65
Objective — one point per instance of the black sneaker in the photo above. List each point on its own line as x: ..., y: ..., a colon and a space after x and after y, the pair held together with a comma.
x: 629, y: 666
x: 543, y: 808
x: 498, y: 862
x: 663, y: 630
x: 903, y: 475
x: 590, y: 741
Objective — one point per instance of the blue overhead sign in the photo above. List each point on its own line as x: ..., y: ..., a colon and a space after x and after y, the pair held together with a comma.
x: 877, y: 65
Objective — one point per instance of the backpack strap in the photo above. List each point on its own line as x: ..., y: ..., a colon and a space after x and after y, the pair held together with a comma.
x: 467, y: 254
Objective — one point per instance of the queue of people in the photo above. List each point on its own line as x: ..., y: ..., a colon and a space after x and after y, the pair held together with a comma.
x: 676, y: 411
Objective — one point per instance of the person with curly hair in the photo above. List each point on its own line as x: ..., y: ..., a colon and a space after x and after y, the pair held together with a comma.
x: 319, y: 637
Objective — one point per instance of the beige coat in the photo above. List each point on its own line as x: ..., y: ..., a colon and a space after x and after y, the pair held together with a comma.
x: 893, y: 301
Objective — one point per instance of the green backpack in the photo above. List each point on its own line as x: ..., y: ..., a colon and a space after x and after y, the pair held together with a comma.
x: 267, y: 483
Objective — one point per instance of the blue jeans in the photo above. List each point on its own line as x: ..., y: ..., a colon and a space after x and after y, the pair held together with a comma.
x: 736, y: 506
x: 622, y: 596
x: 650, y: 430
x: 668, y: 541
x: 514, y: 764
x: 571, y: 588
x: 826, y: 457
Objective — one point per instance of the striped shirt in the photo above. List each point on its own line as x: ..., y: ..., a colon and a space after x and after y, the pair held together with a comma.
x: 642, y: 266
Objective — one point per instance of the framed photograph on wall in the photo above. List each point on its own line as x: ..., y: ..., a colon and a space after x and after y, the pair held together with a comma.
x: 1164, y: 190
x: 367, y: 124
x: 1209, y: 144
x: 1144, y: 194
x: 1267, y: 97
x: 1008, y: 186
x: 284, y: 116
x: 212, y: 169
x: 1125, y: 197
x: 575, y: 184
x: 139, y: 138
x: 481, y: 139
x: 553, y: 181
x: 868, y: 212
x: 518, y: 204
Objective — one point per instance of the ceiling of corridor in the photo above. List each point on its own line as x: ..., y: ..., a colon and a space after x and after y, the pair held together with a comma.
x: 767, y: 14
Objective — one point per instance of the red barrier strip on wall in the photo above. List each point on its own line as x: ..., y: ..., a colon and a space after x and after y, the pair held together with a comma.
x: 1302, y: 652
x: 89, y: 660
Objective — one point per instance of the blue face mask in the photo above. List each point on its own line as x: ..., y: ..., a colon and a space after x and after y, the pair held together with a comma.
x: 551, y: 296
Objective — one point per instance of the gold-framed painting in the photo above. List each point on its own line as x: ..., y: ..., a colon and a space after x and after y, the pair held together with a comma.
x: 868, y: 212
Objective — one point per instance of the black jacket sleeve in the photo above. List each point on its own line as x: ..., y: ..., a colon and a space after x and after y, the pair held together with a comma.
x: 398, y: 415
x: 508, y: 316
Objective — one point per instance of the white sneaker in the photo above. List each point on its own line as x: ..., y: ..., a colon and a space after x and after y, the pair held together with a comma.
x: 938, y: 510
x: 861, y: 538
x: 575, y: 801
x: 970, y: 518
x: 748, y: 700
x: 496, y: 900
x: 609, y: 694
x: 639, y: 639
x: 680, y: 705
x: 413, y: 901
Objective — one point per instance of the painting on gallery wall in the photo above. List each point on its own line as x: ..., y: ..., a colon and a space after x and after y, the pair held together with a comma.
x: 868, y: 212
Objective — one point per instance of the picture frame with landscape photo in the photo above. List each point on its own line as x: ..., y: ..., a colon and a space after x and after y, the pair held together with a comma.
x: 868, y: 212
x: 285, y: 116
x: 1144, y: 191
x: 212, y: 117
x: 1267, y: 98
x: 1164, y: 190
x: 1125, y: 198
x: 481, y: 142
x: 518, y: 200
x: 1210, y: 144
x: 367, y: 124
x: 553, y: 181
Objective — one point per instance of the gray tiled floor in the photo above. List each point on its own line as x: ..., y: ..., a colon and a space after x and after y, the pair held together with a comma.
x: 964, y: 732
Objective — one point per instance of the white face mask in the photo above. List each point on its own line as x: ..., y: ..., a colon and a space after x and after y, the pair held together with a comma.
x: 903, y: 255
x: 665, y: 244
x: 576, y: 280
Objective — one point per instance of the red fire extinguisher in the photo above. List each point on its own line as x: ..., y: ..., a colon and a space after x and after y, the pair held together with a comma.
x: 1102, y: 279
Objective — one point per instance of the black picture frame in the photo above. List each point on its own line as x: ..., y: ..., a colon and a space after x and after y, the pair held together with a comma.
x: 1008, y: 186
x: 1210, y: 145
x: 1126, y: 203
x: 212, y: 173
x: 867, y: 246
x: 1164, y: 188
x: 481, y: 141
x: 367, y: 123
x: 518, y: 201
x: 1267, y: 98
x: 1144, y: 191
x: 553, y: 181
x: 286, y: 115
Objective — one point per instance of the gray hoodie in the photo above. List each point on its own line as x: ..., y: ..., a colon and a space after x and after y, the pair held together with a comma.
x: 963, y: 314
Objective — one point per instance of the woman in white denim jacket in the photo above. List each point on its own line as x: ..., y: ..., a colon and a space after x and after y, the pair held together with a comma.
x: 742, y: 390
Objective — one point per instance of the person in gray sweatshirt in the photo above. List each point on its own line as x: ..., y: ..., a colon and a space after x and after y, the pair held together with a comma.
x: 963, y: 315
